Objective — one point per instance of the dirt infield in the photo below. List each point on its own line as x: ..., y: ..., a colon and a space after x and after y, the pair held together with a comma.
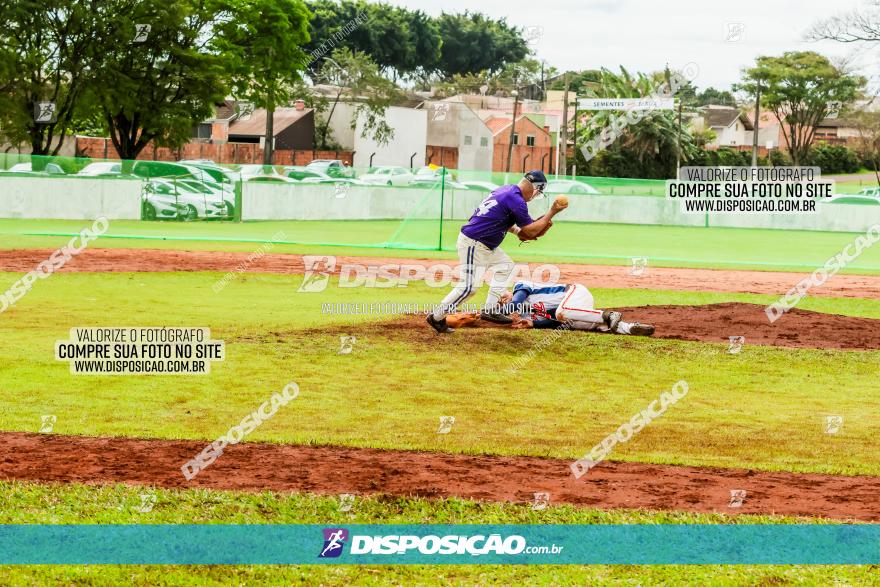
x: 335, y: 470
x: 713, y: 323
x: 797, y: 328
x: 610, y: 276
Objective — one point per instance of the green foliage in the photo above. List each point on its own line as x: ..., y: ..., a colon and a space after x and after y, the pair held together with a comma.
x: 409, y: 43
x: 779, y: 158
x: 799, y: 87
x: 265, y: 38
x: 358, y: 79
x: 400, y: 41
x: 703, y: 137
x: 726, y: 157
x: 512, y: 76
x: 84, y: 56
x: 45, y: 53
x: 426, y: 44
x: 867, y: 144
x: 646, y: 148
x: 519, y: 74
x: 712, y: 96
x: 579, y: 82
x: 158, y: 88
x: 473, y: 42
x: 834, y: 159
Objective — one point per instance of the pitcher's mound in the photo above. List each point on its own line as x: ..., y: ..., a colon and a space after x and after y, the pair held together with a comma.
x: 718, y: 322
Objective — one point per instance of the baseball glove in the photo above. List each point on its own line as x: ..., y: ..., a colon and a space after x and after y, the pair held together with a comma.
x: 462, y: 319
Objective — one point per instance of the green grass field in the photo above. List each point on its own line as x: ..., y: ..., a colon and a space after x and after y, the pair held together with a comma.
x: 78, y: 504
x: 613, y: 244
x: 763, y: 409
x: 391, y: 391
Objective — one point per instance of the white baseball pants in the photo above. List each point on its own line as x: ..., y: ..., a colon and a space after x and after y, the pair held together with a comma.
x: 475, y: 259
x: 577, y: 309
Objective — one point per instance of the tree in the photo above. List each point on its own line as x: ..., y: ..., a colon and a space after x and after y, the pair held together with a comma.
x: 426, y: 43
x: 712, y: 96
x: 357, y: 79
x: 469, y: 83
x: 336, y: 24
x: 647, y: 147
x: 473, y: 42
x: 409, y: 43
x: 579, y: 82
x: 834, y: 159
x: 799, y: 88
x: 45, y: 50
x: 850, y: 27
x: 157, y: 86
x: 867, y: 144
x: 265, y: 37
x: 513, y: 76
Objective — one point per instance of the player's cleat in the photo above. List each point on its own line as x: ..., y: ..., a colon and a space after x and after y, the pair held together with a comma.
x: 637, y: 329
x: 496, y: 317
x: 611, y: 319
x: 439, y: 325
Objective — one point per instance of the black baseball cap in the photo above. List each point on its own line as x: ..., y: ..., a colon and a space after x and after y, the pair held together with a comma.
x: 537, y: 179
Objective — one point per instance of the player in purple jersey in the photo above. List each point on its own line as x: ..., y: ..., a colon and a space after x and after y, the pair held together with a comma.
x: 504, y: 210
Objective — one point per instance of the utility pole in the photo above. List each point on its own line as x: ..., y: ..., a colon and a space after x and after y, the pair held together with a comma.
x: 562, y: 143
x: 543, y: 83
x: 512, y: 129
x: 757, y: 123
x: 574, y: 135
x: 678, y: 141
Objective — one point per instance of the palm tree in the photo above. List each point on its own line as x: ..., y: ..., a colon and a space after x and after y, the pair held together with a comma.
x: 655, y: 134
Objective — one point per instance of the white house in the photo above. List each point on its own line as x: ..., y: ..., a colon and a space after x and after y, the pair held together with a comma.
x: 406, y: 148
x: 731, y: 127
x: 457, y: 133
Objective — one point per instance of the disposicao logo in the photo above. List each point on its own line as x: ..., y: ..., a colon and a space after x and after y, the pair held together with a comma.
x: 334, y: 542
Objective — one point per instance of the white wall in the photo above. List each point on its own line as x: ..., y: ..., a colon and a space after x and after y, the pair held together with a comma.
x: 71, y: 198
x: 266, y: 201
x: 340, y: 129
x: 263, y: 201
x: 119, y: 199
x: 450, y: 129
x: 733, y: 135
x: 68, y: 147
x: 474, y: 156
x: 410, y: 136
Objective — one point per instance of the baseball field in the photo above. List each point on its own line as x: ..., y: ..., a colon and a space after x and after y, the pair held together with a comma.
x: 394, y: 424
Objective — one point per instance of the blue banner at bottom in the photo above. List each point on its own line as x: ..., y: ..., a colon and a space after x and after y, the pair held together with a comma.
x: 439, y: 544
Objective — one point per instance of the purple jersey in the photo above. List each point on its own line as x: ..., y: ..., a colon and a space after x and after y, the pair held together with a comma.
x: 496, y: 214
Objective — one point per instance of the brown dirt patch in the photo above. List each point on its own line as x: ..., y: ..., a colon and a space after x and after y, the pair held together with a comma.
x: 334, y: 470
x: 797, y: 328
x: 709, y: 323
x: 759, y: 282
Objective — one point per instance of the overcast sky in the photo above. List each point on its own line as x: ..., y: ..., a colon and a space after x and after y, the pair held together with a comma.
x: 644, y: 35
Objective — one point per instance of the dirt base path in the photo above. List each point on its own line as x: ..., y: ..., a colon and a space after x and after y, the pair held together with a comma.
x: 335, y: 470
x: 610, y: 276
x: 708, y: 323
